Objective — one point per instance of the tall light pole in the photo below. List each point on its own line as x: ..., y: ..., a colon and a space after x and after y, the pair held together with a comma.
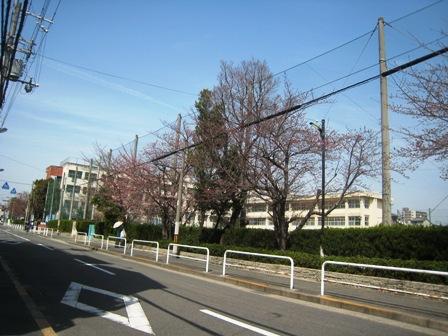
x: 321, y: 129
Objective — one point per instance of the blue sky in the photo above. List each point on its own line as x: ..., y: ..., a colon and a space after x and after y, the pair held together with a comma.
x: 179, y: 45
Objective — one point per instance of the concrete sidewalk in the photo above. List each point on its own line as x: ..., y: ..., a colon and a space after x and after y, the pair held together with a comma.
x: 425, y: 312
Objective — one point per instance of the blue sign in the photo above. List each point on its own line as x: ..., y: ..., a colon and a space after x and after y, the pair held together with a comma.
x: 13, y: 191
x: 6, y: 186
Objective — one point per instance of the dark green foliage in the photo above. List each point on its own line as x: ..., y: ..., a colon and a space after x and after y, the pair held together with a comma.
x: 395, y: 242
x: 250, y: 238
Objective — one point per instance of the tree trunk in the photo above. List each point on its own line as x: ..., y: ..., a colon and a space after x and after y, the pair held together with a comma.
x: 280, y: 224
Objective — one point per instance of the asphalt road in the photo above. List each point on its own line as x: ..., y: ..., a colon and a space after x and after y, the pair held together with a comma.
x: 80, y: 292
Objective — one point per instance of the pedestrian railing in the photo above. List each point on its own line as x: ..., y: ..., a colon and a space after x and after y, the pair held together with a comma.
x: 141, y: 242
x: 291, y: 277
x: 389, y: 268
x: 188, y: 257
x: 117, y: 242
x: 81, y: 234
x: 50, y: 230
x: 97, y: 236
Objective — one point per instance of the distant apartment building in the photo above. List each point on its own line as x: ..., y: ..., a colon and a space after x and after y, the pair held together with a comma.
x: 77, y: 191
x: 410, y: 216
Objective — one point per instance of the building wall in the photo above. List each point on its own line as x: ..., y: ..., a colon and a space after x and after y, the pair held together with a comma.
x: 358, y: 210
x: 77, y: 187
x: 53, y: 171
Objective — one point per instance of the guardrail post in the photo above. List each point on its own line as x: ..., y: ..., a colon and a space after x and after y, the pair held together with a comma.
x: 322, y: 278
x: 168, y: 254
x: 224, y: 264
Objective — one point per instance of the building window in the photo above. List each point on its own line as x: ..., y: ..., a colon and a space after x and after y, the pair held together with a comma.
x: 300, y: 206
x: 69, y: 189
x: 329, y: 205
x: 334, y: 221
x: 71, y: 173
x: 297, y: 221
x: 353, y: 203
x: 258, y: 207
x: 354, y: 220
x: 86, y: 176
x: 366, y: 220
x: 256, y: 221
x: 366, y: 203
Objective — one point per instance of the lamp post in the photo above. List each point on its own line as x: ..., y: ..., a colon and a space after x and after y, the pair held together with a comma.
x: 3, y: 129
x: 321, y: 129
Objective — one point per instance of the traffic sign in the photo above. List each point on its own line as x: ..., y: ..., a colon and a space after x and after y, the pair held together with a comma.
x: 5, y: 186
x: 13, y: 191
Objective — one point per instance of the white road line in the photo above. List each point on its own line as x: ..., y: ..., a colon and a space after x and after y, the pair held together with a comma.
x: 136, y: 318
x: 16, y: 235
x: 96, y: 267
x: 238, y: 323
x: 47, y: 247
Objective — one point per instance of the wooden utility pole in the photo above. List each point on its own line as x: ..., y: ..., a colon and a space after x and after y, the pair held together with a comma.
x: 385, y: 138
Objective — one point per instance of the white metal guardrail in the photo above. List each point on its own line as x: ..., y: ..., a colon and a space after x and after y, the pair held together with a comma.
x: 145, y: 242
x: 389, y: 268
x: 291, y: 278
x: 97, y: 236
x: 117, y: 239
x: 188, y: 257
x: 81, y: 234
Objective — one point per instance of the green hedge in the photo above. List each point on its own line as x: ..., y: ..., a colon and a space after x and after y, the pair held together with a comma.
x: 396, y: 242
x: 308, y: 260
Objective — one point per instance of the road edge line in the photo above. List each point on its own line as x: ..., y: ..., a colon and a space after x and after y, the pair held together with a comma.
x: 41, y: 321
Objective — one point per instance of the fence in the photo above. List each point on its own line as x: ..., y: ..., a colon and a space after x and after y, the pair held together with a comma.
x: 188, y: 257
x: 81, y: 234
x: 389, y: 268
x: 95, y: 236
x: 145, y: 242
x: 291, y: 280
x: 117, y: 239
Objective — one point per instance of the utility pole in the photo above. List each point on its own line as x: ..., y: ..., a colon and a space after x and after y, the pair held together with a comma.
x: 45, y: 204
x: 52, y: 196
x: 385, y: 139
x: 73, y: 194
x: 179, y: 200
x: 134, y: 152
x: 179, y: 187
x: 321, y: 130
x: 61, y: 199
x: 96, y: 188
x: 89, y: 181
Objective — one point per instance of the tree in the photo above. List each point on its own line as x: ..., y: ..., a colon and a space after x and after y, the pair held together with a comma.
x: 423, y: 96
x: 17, y: 206
x: 210, y: 160
x: 38, y: 195
x: 245, y: 92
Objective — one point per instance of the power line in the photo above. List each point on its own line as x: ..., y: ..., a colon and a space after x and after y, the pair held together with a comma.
x: 416, y: 11
x: 313, y: 101
x: 117, y: 76
x: 17, y: 161
x: 354, y: 39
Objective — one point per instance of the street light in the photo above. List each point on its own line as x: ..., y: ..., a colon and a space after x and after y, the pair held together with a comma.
x: 3, y: 129
x: 321, y: 129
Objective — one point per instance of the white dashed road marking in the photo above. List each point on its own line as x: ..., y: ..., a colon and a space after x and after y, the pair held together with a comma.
x: 238, y: 323
x: 96, y: 267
